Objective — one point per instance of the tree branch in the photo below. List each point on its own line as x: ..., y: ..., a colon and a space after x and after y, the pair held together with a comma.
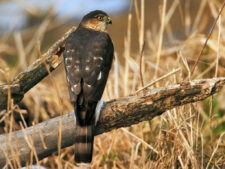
x: 122, y: 112
x: 35, y: 73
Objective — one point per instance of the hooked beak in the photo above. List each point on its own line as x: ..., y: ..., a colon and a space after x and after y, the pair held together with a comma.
x: 109, y: 20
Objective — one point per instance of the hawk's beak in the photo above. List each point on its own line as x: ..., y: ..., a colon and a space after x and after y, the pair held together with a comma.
x: 109, y: 20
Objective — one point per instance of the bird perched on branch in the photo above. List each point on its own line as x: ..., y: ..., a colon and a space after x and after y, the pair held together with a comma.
x: 88, y: 58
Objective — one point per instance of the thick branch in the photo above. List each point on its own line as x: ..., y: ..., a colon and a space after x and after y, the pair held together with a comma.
x: 123, y: 112
x: 35, y: 73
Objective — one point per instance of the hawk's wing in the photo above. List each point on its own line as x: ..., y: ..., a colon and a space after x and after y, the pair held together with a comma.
x: 72, y: 67
x: 96, y: 67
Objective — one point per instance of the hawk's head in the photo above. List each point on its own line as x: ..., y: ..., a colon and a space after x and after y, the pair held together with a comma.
x: 97, y: 20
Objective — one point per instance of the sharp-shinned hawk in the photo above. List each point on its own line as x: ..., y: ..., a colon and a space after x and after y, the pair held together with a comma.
x: 88, y: 58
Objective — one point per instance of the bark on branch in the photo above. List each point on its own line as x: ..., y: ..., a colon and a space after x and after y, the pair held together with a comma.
x: 122, y: 112
x: 35, y: 73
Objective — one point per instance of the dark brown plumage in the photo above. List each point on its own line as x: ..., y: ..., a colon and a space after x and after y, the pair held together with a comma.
x: 88, y: 58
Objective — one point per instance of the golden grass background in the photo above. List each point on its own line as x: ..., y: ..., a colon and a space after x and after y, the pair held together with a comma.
x: 190, y: 136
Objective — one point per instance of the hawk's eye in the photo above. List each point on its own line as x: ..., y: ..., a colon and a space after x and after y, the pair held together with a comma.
x: 100, y: 18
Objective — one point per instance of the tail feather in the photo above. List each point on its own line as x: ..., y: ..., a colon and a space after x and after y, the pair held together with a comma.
x: 84, y: 140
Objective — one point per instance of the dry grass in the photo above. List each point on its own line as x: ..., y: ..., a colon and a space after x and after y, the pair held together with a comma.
x: 190, y: 136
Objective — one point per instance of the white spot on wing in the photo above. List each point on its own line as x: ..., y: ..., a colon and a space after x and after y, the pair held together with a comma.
x: 67, y: 60
x: 76, y: 68
x: 72, y: 89
x: 67, y: 78
x: 100, y: 58
x: 99, y: 75
x: 68, y: 67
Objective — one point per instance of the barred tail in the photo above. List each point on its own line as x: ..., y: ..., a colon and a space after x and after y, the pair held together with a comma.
x: 84, y: 140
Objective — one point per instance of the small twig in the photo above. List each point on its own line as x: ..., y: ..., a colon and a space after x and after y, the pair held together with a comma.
x: 209, y: 35
x: 217, y: 146
x: 127, y: 50
x: 162, y: 27
x: 160, y: 78
x: 218, y: 48
x: 141, y: 58
x: 141, y: 140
